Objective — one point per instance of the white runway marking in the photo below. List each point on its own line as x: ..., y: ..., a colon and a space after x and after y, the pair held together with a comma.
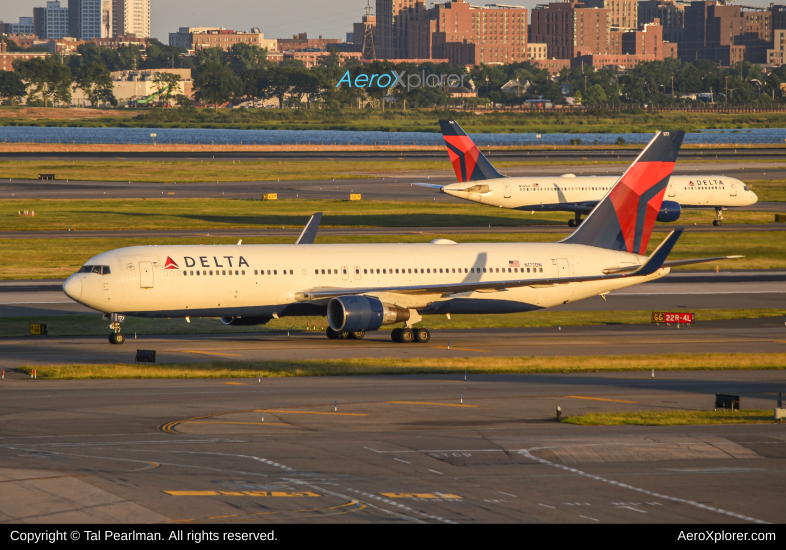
x: 646, y: 492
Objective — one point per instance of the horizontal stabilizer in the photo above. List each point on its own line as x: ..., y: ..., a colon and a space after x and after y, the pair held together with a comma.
x: 658, y: 257
x: 432, y: 185
x: 674, y: 263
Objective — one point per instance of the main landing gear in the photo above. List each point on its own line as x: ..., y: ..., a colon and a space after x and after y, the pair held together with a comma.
x: 718, y: 221
x: 344, y: 335
x: 575, y: 222
x: 116, y: 337
x: 406, y: 335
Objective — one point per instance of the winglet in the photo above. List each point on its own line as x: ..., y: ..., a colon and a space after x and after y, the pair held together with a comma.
x: 310, y: 231
x: 658, y: 257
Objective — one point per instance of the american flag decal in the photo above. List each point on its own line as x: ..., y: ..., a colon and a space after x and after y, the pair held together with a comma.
x: 514, y: 263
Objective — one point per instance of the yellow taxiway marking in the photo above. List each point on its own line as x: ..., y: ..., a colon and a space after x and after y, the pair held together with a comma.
x: 148, y: 467
x: 220, y: 517
x: 236, y: 383
x: 600, y: 399
x: 313, y: 412
x: 437, y: 404
x: 221, y: 422
x: 210, y: 353
x: 240, y: 494
x: 421, y: 495
x: 461, y: 349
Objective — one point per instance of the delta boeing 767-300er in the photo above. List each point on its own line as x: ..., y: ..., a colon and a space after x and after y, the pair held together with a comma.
x: 360, y: 287
x: 479, y: 181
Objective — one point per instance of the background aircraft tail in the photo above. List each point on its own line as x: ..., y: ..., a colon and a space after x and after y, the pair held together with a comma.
x: 624, y: 218
x: 468, y: 162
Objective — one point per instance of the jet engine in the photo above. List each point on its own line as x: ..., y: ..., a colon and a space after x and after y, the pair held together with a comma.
x: 362, y: 313
x: 669, y: 211
x: 244, y: 321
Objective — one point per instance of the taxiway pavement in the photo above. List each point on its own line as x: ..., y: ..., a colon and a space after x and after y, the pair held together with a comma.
x: 397, y: 449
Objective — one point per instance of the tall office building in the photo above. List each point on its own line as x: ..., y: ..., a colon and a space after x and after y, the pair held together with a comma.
x: 25, y: 26
x: 51, y: 22
x: 570, y: 29
x: 131, y: 17
x: 622, y: 14
x: 89, y: 19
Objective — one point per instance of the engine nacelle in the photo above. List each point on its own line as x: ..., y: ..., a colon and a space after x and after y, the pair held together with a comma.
x: 244, y: 321
x: 669, y: 211
x: 356, y: 313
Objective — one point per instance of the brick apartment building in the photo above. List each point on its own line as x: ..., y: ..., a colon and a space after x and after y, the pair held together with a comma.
x: 7, y: 58
x: 301, y: 42
x: 670, y: 13
x: 621, y: 14
x: 725, y: 34
x: 570, y: 29
x: 199, y: 38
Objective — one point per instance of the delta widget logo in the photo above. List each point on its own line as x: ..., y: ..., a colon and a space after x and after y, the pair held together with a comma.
x: 171, y: 264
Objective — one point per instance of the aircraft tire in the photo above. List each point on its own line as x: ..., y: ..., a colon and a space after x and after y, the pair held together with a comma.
x: 116, y: 338
x: 406, y: 336
x: 717, y: 223
x: 422, y: 335
x: 571, y: 223
x: 357, y: 335
x: 395, y: 335
x: 343, y: 335
x: 331, y: 334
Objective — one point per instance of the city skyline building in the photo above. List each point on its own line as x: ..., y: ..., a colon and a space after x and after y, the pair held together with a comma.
x: 88, y: 19
x: 131, y: 17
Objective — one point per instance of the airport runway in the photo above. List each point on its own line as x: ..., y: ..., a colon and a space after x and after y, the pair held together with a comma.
x: 680, y: 290
x: 733, y: 336
x: 397, y: 450
x: 396, y: 187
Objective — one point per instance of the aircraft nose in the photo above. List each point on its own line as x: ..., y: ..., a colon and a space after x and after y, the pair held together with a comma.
x: 73, y: 287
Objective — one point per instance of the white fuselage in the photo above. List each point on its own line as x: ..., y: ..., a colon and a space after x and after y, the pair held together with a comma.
x: 263, y: 280
x: 561, y: 193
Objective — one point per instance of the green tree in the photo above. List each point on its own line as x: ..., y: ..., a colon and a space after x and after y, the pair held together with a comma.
x: 12, y: 89
x: 243, y: 57
x: 46, y: 77
x: 166, y: 84
x: 163, y: 56
x: 210, y: 55
x: 96, y: 83
x: 216, y: 84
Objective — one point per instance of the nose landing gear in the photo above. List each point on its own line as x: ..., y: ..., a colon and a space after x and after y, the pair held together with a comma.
x: 116, y: 337
x: 576, y: 221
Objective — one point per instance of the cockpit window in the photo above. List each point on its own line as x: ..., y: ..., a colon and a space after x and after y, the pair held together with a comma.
x: 746, y: 187
x: 100, y: 269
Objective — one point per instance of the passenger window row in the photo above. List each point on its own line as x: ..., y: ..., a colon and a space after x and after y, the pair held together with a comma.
x: 193, y: 273
x: 367, y: 271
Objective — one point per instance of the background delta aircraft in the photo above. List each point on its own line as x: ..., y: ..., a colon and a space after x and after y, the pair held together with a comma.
x: 361, y: 287
x: 480, y: 182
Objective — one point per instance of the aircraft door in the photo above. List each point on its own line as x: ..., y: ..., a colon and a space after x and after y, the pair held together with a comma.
x: 733, y: 190
x: 507, y: 190
x: 563, y: 267
x: 672, y: 192
x: 146, y: 274
x: 357, y: 273
x: 345, y: 272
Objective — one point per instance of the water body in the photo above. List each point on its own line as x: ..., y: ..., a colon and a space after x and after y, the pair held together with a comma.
x: 25, y: 134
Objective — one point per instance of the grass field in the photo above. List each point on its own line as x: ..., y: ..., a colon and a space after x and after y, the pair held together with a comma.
x: 172, y: 172
x: 186, y: 213
x: 59, y: 258
x: 94, y: 325
x: 672, y: 418
x: 769, y: 190
x: 390, y: 366
x: 397, y: 120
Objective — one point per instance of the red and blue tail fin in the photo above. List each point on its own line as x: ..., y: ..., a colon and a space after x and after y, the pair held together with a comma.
x: 624, y: 218
x: 468, y: 162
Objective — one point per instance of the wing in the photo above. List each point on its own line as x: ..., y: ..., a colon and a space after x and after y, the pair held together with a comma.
x: 653, y: 263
